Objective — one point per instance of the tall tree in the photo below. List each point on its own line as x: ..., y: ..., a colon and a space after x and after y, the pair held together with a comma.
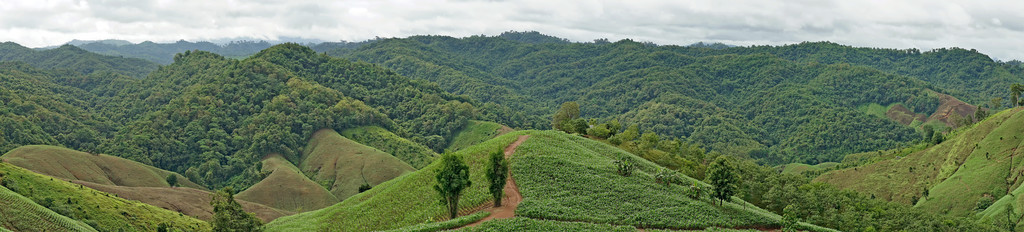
x: 724, y: 178
x: 1015, y: 90
x: 451, y: 180
x: 172, y: 180
x: 565, y: 114
x: 228, y: 215
x: 497, y: 173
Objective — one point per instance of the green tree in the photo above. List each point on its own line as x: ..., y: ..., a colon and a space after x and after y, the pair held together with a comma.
x: 229, y: 216
x: 497, y: 173
x: 722, y: 175
x: 1015, y: 90
x: 172, y: 180
x: 929, y: 131
x: 451, y: 180
x: 565, y: 114
x: 789, y: 219
x: 996, y: 103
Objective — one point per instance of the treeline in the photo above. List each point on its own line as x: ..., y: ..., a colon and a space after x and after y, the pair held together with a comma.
x: 762, y: 105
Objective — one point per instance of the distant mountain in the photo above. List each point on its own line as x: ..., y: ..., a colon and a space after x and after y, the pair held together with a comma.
x: 75, y: 59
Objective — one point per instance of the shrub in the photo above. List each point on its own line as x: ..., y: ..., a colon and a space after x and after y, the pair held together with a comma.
x: 624, y: 166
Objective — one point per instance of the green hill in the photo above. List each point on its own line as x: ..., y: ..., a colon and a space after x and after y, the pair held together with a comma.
x: 73, y: 58
x: 22, y: 214
x: 562, y: 177
x: 96, y: 168
x: 410, y: 152
x: 287, y: 188
x: 476, y: 132
x: 343, y: 166
x: 973, y: 165
x: 102, y: 211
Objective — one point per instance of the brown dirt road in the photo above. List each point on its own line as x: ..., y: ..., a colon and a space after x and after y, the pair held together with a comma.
x: 512, y: 198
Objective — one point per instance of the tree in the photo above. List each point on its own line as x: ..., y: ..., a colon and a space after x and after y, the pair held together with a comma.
x: 929, y: 131
x: 789, y: 220
x: 996, y: 103
x: 724, y: 178
x: 980, y: 114
x: 228, y: 214
x: 451, y: 180
x: 566, y: 113
x: 1015, y: 91
x: 172, y: 180
x: 497, y: 173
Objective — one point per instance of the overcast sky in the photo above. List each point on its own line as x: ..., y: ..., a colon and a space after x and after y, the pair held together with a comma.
x: 993, y: 27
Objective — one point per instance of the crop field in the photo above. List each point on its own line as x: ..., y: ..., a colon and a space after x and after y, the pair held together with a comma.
x: 100, y: 210
x: 444, y: 225
x: 287, y: 188
x: 474, y: 133
x: 20, y: 213
x: 412, y: 153
x: 404, y: 201
x: 570, y: 178
x: 527, y: 224
x: 97, y: 168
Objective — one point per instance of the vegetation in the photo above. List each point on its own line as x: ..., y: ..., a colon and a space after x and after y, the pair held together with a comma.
x: 497, y: 171
x: 724, y: 179
x: 285, y: 187
x: 451, y: 180
x: 22, y: 214
x: 345, y: 167
x: 444, y: 225
x: 75, y: 59
x: 228, y: 215
x: 527, y: 224
x: 476, y: 132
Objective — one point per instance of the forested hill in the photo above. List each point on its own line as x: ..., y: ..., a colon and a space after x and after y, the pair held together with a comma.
x: 163, y: 53
x: 765, y: 105
x: 75, y: 59
x: 213, y: 118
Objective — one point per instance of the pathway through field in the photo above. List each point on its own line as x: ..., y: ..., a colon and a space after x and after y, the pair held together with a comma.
x: 512, y: 198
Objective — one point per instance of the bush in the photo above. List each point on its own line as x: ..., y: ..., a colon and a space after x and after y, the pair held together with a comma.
x: 625, y: 166
x: 364, y: 187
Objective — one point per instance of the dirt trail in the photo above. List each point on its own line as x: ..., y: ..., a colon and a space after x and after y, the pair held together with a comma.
x: 511, y: 199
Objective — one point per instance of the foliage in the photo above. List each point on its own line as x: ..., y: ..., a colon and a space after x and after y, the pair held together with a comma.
x: 75, y: 59
x: 22, y: 214
x: 444, y: 225
x: 563, y: 120
x: 172, y: 180
x: 529, y: 224
x: 497, y: 171
x: 451, y: 180
x: 722, y: 175
x: 789, y: 220
x: 229, y: 216
x: 624, y: 166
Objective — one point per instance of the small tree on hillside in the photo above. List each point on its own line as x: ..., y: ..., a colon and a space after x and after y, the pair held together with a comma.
x: 497, y: 172
x: 789, y: 220
x: 451, y: 180
x: 172, y: 180
x: 722, y: 175
x: 566, y: 113
x: 228, y: 215
x: 1015, y: 91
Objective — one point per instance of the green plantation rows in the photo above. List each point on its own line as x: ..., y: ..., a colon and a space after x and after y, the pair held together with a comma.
x: 570, y: 178
x: 22, y: 214
x: 445, y: 225
x: 526, y: 224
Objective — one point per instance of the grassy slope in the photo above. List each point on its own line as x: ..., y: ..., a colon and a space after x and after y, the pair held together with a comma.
x: 343, y: 165
x: 404, y: 201
x: 565, y: 177
x: 474, y: 133
x: 955, y: 173
x: 99, y: 168
x: 287, y: 188
x: 412, y: 153
x: 102, y: 211
x: 188, y: 201
x: 410, y: 199
x: 797, y: 168
x: 22, y: 214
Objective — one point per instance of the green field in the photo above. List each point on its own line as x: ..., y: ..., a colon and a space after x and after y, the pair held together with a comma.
x: 97, y: 168
x: 102, y: 211
x: 404, y: 201
x: 342, y: 165
x: 412, y: 153
x: 474, y: 133
x: 287, y: 188
x: 22, y: 214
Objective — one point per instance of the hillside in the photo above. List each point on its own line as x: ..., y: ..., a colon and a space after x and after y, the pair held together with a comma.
x: 96, y: 168
x: 75, y: 59
x: 22, y: 214
x: 188, y: 201
x: 562, y: 177
x: 102, y: 211
x: 761, y: 102
x: 415, y: 154
x: 343, y: 166
x: 974, y: 165
x: 287, y: 188
x: 476, y: 132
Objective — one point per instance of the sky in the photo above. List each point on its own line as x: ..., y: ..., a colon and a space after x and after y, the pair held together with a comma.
x: 993, y: 27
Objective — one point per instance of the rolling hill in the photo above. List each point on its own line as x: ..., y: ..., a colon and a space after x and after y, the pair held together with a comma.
x: 73, y: 58
x: 96, y: 168
x: 22, y: 214
x: 974, y: 165
x: 343, y: 165
x: 287, y: 188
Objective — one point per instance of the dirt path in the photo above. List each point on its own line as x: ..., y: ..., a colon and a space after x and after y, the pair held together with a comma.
x: 510, y: 201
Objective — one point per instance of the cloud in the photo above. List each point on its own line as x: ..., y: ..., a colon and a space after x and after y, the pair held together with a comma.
x: 991, y: 26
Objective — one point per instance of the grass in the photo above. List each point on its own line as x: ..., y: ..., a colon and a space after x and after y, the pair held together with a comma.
x: 570, y: 178
x: 474, y: 133
x: 342, y: 165
x: 22, y: 214
x: 404, y: 201
x: 188, y: 201
x: 100, y: 210
x: 797, y: 168
x: 287, y: 188
x: 874, y: 109
x: 445, y: 225
x: 414, y: 154
x: 527, y: 224
x: 956, y: 174
x: 97, y: 168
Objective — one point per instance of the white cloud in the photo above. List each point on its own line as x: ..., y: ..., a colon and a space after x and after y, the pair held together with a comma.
x: 989, y: 26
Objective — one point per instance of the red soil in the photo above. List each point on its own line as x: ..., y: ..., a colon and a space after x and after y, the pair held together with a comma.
x: 512, y: 198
